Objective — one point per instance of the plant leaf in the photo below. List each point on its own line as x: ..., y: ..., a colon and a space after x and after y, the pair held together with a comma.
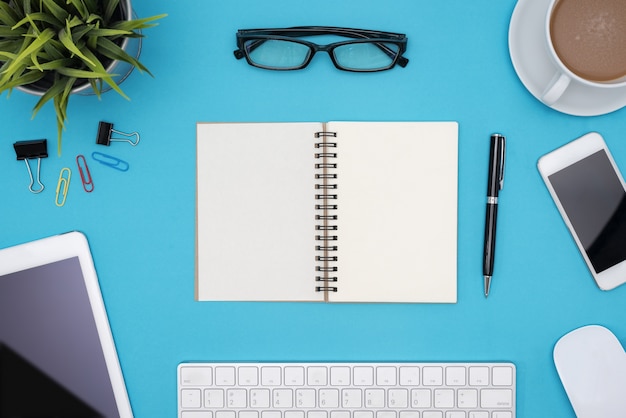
x: 111, y: 50
x: 7, y: 14
x: 56, y: 88
x: 53, y: 65
x: 26, y: 78
x: 39, y: 17
x: 109, y: 77
x: 109, y: 32
x: 131, y: 25
x: 65, y: 37
x: 56, y: 10
x: 80, y: 8
x: 109, y: 9
x: 73, y: 72
x: 35, y: 46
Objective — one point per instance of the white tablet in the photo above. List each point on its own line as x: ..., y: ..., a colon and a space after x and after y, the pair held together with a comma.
x: 57, y: 356
x: 590, y: 193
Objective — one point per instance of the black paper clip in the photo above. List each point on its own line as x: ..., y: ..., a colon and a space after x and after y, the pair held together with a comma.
x: 29, y: 150
x: 106, y: 131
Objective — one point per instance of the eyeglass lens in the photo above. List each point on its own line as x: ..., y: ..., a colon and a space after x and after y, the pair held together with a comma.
x: 285, y: 55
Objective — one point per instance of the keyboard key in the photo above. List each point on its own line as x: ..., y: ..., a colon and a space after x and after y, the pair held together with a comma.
x: 340, y: 376
x: 225, y: 376
x: 293, y: 414
x: 282, y: 398
x: 374, y: 398
x: 305, y: 398
x: 363, y: 414
x: 270, y: 376
x: 455, y: 376
x: 363, y: 376
x: 420, y: 398
x: 432, y: 414
x: 260, y: 398
x: 225, y: 414
x: 329, y: 398
x: 351, y: 398
x: 444, y: 398
x: 214, y: 398
x: 317, y: 376
x: 496, y: 398
x: 467, y: 398
x: 398, y: 398
x: 409, y: 376
x: 236, y: 398
x: 294, y: 376
x: 248, y: 376
x: 197, y: 414
x: 386, y: 376
x: 432, y: 376
x: 479, y: 376
x: 191, y: 398
x: 502, y: 376
x: 196, y: 376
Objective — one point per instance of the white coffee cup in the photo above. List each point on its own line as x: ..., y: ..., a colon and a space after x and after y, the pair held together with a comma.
x: 564, y: 76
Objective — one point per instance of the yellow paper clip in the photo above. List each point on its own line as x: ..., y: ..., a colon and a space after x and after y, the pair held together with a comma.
x: 63, y: 186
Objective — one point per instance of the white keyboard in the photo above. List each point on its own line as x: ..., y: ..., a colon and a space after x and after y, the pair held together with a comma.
x: 346, y: 390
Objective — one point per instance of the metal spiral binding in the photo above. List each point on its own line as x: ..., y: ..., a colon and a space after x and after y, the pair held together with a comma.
x: 325, y: 171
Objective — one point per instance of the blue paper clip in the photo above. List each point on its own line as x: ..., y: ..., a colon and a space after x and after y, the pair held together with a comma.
x: 85, y: 175
x: 63, y: 186
x: 110, y: 161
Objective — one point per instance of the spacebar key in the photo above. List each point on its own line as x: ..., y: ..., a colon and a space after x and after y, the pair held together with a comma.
x: 496, y: 398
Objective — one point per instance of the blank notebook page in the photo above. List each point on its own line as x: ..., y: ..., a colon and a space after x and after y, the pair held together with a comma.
x: 256, y: 212
x: 397, y: 211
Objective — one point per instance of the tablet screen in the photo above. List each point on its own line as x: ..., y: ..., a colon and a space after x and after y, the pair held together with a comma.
x: 51, y: 359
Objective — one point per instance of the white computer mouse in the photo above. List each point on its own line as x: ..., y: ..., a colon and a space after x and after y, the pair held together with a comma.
x: 591, y: 363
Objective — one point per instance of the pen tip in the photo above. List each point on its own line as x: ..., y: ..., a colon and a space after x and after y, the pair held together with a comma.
x: 487, y: 285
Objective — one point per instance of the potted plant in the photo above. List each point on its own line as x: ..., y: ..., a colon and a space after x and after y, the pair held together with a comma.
x: 54, y: 48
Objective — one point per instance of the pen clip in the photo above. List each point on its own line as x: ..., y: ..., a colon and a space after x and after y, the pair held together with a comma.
x: 502, y: 160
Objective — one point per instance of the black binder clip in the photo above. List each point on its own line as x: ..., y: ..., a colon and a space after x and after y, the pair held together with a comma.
x: 29, y: 150
x: 106, y: 131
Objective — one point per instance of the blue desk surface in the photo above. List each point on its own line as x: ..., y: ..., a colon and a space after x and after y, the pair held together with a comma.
x: 141, y: 223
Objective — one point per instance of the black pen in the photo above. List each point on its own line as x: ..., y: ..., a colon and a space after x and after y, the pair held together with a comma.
x: 494, y: 185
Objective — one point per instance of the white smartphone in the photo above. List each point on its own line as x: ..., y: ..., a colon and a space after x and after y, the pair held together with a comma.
x: 589, y: 191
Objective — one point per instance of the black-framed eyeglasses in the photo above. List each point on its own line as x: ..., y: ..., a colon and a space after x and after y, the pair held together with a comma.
x: 279, y: 49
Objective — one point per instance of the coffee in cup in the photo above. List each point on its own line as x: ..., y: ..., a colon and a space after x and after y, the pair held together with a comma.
x: 587, y: 42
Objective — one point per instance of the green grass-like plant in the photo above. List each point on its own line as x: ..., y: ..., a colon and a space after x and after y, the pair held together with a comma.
x: 58, y: 45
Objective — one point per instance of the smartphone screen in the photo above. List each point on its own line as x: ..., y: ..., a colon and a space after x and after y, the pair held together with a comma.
x: 593, y: 198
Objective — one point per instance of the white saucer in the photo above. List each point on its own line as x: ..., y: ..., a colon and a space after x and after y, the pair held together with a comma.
x: 535, y: 69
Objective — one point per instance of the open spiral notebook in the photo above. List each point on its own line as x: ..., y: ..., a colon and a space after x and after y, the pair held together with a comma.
x: 335, y: 212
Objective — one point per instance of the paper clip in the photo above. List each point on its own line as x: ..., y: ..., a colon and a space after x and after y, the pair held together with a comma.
x: 85, y: 175
x: 110, y: 161
x: 63, y: 186
x: 106, y: 131
x: 29, y: 150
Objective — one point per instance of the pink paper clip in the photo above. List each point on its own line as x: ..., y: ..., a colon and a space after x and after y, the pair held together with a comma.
x: 83, y: 169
